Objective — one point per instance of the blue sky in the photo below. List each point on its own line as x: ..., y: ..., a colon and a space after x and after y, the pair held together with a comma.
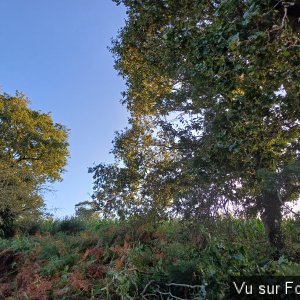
x: 55, y: 52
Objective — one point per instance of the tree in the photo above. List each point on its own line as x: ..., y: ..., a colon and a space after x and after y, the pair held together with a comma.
x: 33, y: 151
x: 213, y: 92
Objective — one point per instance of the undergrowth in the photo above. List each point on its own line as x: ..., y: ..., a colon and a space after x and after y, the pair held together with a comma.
x: 105, y: 259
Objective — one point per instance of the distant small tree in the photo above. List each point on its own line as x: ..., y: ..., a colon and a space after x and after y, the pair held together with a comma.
x: 84, y: 210
x: 33, y: 151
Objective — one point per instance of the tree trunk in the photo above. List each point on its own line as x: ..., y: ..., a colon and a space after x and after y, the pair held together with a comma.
x: 272, y: 219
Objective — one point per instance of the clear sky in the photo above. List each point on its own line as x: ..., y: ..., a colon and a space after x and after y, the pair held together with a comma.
x: 55, y: 52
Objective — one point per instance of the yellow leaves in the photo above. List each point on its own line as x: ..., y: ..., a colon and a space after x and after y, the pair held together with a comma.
x: 241, y: 77
x: 146, y: 85
x: 34, y: 148
x: 149, y: 91
x: 238, y: 92
x: 131, y: 60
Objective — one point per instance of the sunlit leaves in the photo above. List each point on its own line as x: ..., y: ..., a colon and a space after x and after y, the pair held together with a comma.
x: 33, y: 151
x: 217, y: 66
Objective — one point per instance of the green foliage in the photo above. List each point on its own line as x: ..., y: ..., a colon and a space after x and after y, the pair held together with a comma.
x: 56, y: 264
x: 70, y: 225
x: 33, y: 151
x: 213, y: 96
x: 30, y: 138
x: 18, y: 244
x: 7, y: 217
x: 144, y: 260
x: 29, y: 227
x: 48, y: 250
x: 84, y: 211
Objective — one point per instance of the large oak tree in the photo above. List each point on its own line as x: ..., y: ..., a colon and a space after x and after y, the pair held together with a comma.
x: 214, y: 96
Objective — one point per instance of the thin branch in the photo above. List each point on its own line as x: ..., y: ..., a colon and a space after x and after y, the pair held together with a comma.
x: 146, y: 286
x: 290, y: 210
x: 184, y: 285
x: 175, y: 297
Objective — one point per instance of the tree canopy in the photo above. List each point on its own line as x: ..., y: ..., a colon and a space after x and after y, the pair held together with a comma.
x: 213, y: 89
x: 33, y: 151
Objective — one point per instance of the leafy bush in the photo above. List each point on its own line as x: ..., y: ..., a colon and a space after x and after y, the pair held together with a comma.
x: 70, y: 225
x: 48, y: 250
x: 56, y: 264
x: 28, y: 227
x: 7, y: 220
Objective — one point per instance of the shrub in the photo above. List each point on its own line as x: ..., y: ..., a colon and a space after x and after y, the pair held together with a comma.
x: 28, y: 227
x: 67, y: 225
x: 7, y: 219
